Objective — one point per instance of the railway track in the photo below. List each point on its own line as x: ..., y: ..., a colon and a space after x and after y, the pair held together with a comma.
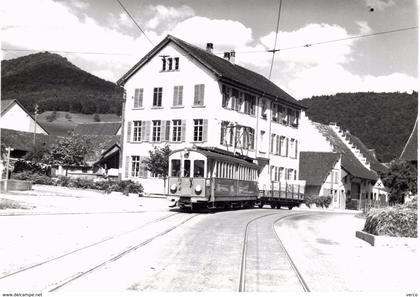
x: 115, y: 256
x: 243, y: 268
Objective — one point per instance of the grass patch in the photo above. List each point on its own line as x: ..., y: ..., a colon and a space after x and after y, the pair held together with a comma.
x: 10, y: 204
x: 395, y: 221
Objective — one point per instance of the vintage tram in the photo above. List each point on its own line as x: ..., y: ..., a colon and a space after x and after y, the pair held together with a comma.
x: 211, y: 178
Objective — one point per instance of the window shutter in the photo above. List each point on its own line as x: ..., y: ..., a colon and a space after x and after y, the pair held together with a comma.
x: 202, y: 95
x: 287, y: 147
x: 147, y: 132
x: 175, y: 100
x: 129, y: 123
x: 143, y: 170
x: 278, y: 144
x: 143, y: 130
x: 183, y: 130
x: 167, y: 131
x: 127, y: 167
x: 136, y: 98
x: 205, y: 128
x: 141, y: 98
x: 296, y: 149
x: 196, y: 94
x: 162, y: 130
x: 180, y: 94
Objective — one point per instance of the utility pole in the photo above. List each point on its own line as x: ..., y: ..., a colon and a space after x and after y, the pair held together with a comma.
x: 9, y: 149
x: 36, y: 115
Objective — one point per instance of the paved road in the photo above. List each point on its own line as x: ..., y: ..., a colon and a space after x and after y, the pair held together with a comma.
x: 169, y: 251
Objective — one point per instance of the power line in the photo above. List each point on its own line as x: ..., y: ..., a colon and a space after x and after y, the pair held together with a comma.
x: 275, y: 40
x: 243, y: 52
x: 328, y: 41
x: 138, y: 26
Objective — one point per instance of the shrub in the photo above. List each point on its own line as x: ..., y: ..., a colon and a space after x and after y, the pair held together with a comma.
x: 320, y: 201
x: 396, y: 221
x: 36, y: 178
x: 130, y: 187
x: 22, y: 165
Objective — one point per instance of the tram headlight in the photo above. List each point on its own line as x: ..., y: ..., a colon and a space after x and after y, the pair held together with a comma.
x: 197, y: 189
x: 173, y: 188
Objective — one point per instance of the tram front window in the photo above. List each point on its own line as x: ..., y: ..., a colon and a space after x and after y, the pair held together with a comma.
x: 176, y: 168
x: 198, y: 168
x: 187, y: 168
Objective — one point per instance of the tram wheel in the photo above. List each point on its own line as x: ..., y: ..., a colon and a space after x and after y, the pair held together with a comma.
x: 278, y: 206
x: 272, y: 206
x: 290, y: 207
x: 260, y: 205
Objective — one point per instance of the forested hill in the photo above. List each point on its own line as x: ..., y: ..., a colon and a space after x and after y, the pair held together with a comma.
x: 56, y: 84
x: 383, y: 121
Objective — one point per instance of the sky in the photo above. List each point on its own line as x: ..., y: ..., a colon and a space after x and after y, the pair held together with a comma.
x: 98, y: 36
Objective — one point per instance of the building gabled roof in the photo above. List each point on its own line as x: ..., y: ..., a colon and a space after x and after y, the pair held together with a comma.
x: 23, y: 141
x: 314, y: 167
x: 374, y: 163
x: 409, y: 152
x: 101, y: 128
x: 222, y: 69
x: 7, y: 104
x: 349, y: 161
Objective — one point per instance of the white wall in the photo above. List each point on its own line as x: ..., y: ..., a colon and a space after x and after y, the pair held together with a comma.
x: 189, y: 74
x: 17, y: 119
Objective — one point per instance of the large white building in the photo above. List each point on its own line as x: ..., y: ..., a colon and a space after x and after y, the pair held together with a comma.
x: 185, y: 96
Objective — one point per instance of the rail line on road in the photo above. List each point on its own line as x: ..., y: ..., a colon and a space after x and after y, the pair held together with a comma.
x: 88, y: 246
x: 242, y: 277
x: 118, y: 256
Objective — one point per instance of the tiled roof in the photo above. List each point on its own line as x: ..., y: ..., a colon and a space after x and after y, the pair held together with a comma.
x: 314, y: 167
x: 23, y: 141
x: 101, y: 128
x: 374, y: 163
x: 348, y: 160
x: 223, y: 69
x: 409, y: 152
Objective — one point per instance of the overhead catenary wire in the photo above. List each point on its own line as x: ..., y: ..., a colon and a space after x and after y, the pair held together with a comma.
x: 326, y: 41
x: 238, y: 52
x: 275, y: 39
x: 138, y: 26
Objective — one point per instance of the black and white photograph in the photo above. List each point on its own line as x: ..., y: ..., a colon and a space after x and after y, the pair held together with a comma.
x: 217, y: 147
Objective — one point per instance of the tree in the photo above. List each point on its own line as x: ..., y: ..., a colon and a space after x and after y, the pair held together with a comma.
x: 68, y: 151
x: 400, y: 178
x: 158, y: 161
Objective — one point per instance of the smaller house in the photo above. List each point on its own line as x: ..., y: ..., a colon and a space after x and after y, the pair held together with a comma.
x: 15, y: 117
x: 101, y: 128
x: 322, y: 173
x: 101, y: 162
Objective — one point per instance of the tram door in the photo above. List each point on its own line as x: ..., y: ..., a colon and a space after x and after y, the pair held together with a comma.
x: 186, y: 184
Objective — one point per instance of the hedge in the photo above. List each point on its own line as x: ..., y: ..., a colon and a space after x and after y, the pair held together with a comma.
x: 395, y: 221
x: 320, y: 201
x: 63, y: 181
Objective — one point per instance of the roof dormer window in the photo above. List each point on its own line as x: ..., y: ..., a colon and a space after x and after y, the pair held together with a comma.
x: 170, y: 63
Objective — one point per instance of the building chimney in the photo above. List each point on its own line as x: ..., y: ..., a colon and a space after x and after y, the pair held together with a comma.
x: 226, y: 55
x: 232, y: 56
x: 209, y: 48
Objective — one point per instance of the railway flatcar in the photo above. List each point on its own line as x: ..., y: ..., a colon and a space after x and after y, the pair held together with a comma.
x: 287, y: 193
x: 211, y: 178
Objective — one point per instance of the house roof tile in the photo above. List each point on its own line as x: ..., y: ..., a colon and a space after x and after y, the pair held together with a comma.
x: 223, y: 69
x: 348, y: 160
x: 314, y: 167
x: 101, y: 128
